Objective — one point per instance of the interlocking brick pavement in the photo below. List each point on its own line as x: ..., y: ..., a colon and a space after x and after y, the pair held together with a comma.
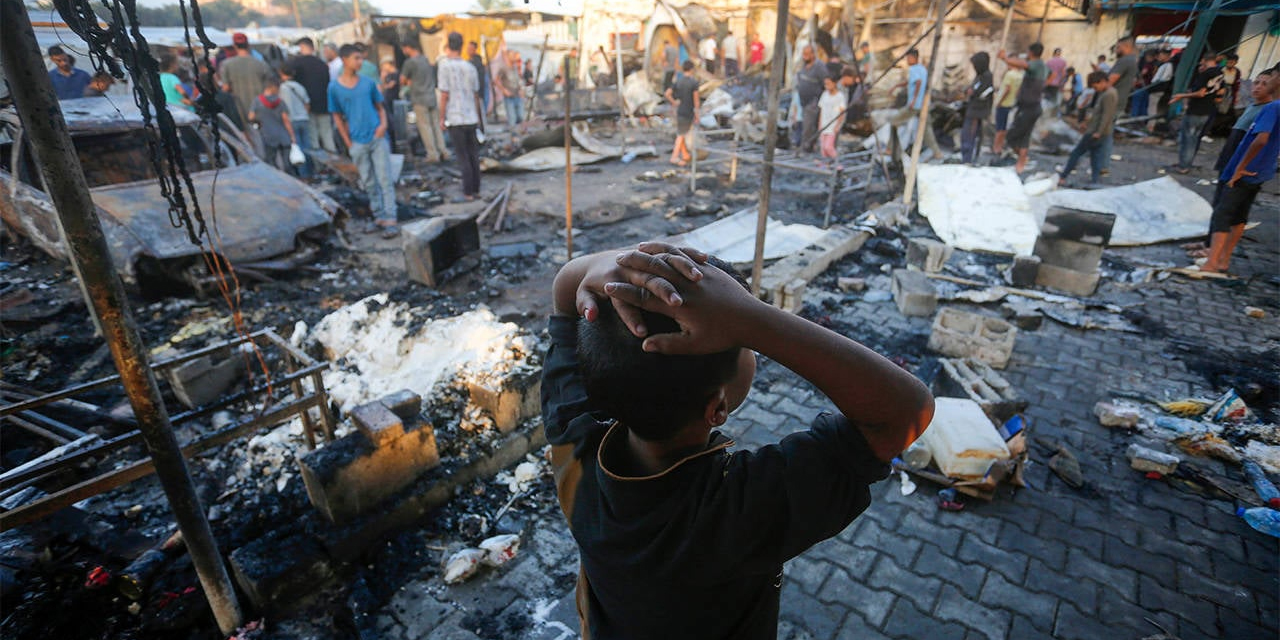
x: 1046, y: 561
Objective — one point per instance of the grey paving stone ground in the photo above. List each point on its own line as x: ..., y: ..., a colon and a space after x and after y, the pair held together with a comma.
x: 1044, y: 562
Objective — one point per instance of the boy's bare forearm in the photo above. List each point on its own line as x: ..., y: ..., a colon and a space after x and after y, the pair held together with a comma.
x: 564, y: 289
x: 890, y: 406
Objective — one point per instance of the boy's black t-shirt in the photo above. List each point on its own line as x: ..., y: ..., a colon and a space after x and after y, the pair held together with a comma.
x: 1209, y: 80
x: 695, y: 551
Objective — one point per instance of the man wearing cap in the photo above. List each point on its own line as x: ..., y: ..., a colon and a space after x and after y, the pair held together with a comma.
x: 313, y: 74
x: 68, y: 81
x: 243, y: 77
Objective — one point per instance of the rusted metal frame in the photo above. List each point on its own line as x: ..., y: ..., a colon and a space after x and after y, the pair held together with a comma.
x: 317, y: 380
x: 831, y: 196
x: 109, y: 380
x: 65, y: 430
x: 38, y: 430
x: 33, y: 511
x: 133, y: 437
x: 14, y: 393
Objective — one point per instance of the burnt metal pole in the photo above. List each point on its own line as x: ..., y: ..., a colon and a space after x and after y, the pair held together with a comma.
x: 56, y: 159
x: 770, y: 140
x: 568, y: 162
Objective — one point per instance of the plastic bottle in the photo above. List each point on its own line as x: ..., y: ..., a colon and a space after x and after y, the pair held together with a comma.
x: 628, y: 157
x: 917, y: 456
x: 1261, y: 484
x: 1263, y: 519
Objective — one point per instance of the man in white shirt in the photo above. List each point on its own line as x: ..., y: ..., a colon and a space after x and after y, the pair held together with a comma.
x: 729, y: 49
x: 707, y: 50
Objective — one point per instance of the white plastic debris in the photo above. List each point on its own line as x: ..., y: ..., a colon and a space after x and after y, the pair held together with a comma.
x: 299, y: 333
x: 462, y: 565
x: 498, y: 550
x: 1267, y: 456
x: 908, y: 486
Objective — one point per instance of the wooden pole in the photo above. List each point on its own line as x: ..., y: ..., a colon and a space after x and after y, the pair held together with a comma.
x: 770, y: 140
x: 355, y: 13
x: 1044, y: 19
x: 908, y: 191
x: 537, y: 75
x: 1004, y: 45
x: 568, y: 164
x: 691, y: 138
x: 297, y: 17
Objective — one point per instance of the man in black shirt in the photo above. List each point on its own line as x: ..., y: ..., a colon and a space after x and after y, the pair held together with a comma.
x: 678, y: 536
x: 1200, y: 106
x: 313, y: 74
x: 683, y: 94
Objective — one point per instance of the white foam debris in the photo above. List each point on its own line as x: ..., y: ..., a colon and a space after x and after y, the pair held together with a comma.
x: 378, y: 348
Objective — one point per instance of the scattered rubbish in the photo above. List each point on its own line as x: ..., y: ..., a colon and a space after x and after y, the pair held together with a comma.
x: 1262, y: 519
x: 1228, y: 408
x: 1266, y: 490
x: 1254, y: 312
x: 472, y: 525
x: 98, y: 578
x: 877, y: 295
x: 520, y: 479
x: 1012, y: 427
x: 1182, y: 426
x: 908, y: 486
x: 1266, y: 455
x: 1208, y: 445
x: 961, y: 334
x: 135, y: 579
x: 462, y: 565
x: 500, y: 549
x: 949, y: 500
x: 428, y: 198
x: 1186, y: 408
x: 134, y: 608
x: 1065, y: 465
x: 1150, y: 460
x: 848, y: 285
x: 1115, y: 415
x: 917, y: 456
x: 962, y: 440
x: 983, y: 385
x: 732, y: 238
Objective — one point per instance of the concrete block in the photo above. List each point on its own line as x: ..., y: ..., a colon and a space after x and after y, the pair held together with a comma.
x: 1144, y: 459
x: 435, y: 244
x: 351, y: 475
x: 377, y: 422
x: 201, y: 381
x: 835, y: 243
x: 404, y: 403
x: 1023, y: 272
x: 1090, y: 227
x: 1024, y: 317
x: 510, y: 399
x: 982, y: 384
x: 1069, y: 254
x: 1114, y: 415
x: 926, y: 254
x: 276, y: 570
x: 961, y: 334
x: 1077, y: 283
x: 914, y: 293
x: 792, y: 298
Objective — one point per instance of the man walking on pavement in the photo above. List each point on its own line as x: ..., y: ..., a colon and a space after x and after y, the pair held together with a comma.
x: 419, y: 76
x: 244, y: 77
x: 313, y: 74
x: 460, y: 113
x: 1029, y: 96
x: 809, y: 87
x: 1123, y: 76
x: 1200, y: 97
x: 917, y: 84
x: 361, y: 119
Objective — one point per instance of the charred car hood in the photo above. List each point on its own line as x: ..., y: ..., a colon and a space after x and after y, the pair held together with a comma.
x: 255, y: 212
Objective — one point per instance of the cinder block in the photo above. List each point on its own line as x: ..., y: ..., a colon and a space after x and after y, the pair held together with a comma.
x: 960, y: 334
x: 1023, y: 272
x: 377, y: 422
x: 435, y: 244
x: 275, y: 570
x: 404, y: 403
x: 914, y: 293
x: 848, y: 285
x: 1069, y: 254
x: 982, y: 384
x: 201, y: 381
x: 926, y: 254
x: 1066, y: 280
x: 1114, y: 415
x: 351, y: 475
x: 509, y: 400
x: 792, y: 298
x: 1144, y: 459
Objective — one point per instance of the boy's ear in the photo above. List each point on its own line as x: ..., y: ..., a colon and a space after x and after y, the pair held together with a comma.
x: 716, y: 412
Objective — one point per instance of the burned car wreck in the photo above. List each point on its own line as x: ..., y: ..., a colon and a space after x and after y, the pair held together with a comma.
x: 262, y: 218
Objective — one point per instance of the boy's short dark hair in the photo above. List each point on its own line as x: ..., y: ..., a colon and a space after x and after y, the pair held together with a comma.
x: 305, y: 40
x: 271, y: 82
x: 915, y: 53
x: 1233, y: 57
x: 687, y: 66
x: 652, y: 394
x: 848, y: 72
x: 454, y: 41
x: 1097, y: 76
x: 1036, y: 49
x: 348, y: 49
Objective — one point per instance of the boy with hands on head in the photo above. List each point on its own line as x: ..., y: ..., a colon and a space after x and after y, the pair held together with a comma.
x: 651, y: 350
